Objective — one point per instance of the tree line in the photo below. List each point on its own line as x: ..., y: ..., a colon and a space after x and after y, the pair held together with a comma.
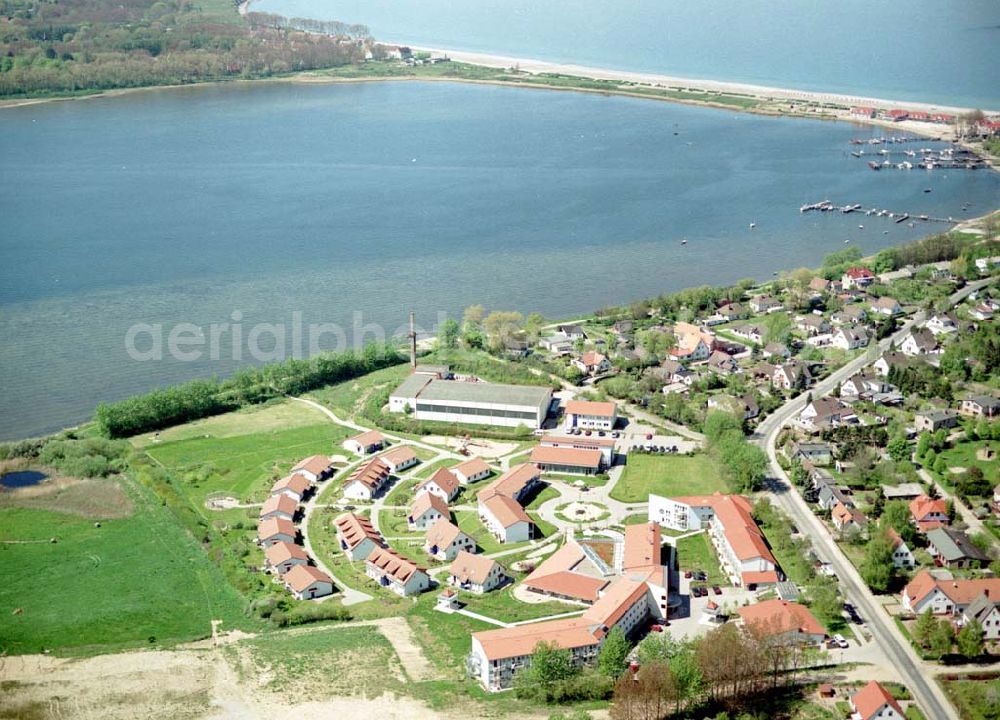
x: 201, y: 398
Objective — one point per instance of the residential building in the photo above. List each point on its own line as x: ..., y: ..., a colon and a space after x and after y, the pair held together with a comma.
x: 722, y: 363
x: 732, y: 311
x: 592, y: 363
x: 314, y: 468
x: 819, y: 453
x: 469, y: 402
x: 980, y: 406
x: 848, y: 519
x: 570, y: 573
x: 280, y: 557
x: 783, y: 622
x: 753, y: 333
x: 849, y: 337
x: 573, y: 331
x: 874, y: 702
x: 850, y: 315
x: 870, y: 387
x: 743, y: 552
x: 893, y: 359
x: 886, y: 306
x: 367, y: 480
x: 567, y: 460
x: 828, y: 412
x: 279, y: 506
x: 857, y: 278
x: 365, y: 443
x: 933, y: 420
x: 558, y: 343
x: 444, y: 540
x: 500, y: 507
x: 946, y: 596
x: 791, y: 375
x: 306, y: 582
x: 357, y: 536
x: 443, y: 483
x: 294, y: 486
x: 942, y: 324
x: 765, y: 304
x: 953, y: 549
x: 982, y: 312
x: 675, y: 372
x: 776, y: 350
x: 984, y: 611
x: 919, y: 342
x: 590, y: 415
x: 275, y: 530
x: 830, y: 496
x: 391, y: 570
x: 425, y: 510
x: 472, y: 470
x: 902, y: 556
x: 929, y: 513
x: 819, y: 285
x: 476, y: 573
x: 399, y: 458
x: 813, y: 325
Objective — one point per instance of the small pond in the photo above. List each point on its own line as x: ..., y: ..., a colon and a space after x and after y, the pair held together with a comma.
x: 21, y: 478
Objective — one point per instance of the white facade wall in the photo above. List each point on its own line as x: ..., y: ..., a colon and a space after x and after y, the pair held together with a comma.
x: 591, y: 422
x: 360, y: 551
x: 317, y: 589
x: 424, y: 521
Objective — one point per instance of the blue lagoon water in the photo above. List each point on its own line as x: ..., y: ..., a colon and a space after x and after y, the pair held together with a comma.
x: 377, y: 199
x: 922, y: 50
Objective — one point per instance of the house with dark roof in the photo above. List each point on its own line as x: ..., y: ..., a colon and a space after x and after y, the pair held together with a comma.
x: 953, y: 549
x: 980, y: 406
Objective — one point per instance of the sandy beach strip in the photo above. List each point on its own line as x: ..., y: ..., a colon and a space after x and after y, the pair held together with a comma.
x: 536, y: 67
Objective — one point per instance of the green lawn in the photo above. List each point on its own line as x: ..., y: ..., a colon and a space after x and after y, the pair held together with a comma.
x: 401, y: 493
x: 502, y: 605
x: 468, y: 521
x: 668, y: 475
x: 963, y: 455
x: 695, y: 552
x: 138, y: 581
x: 345, y: 398
x: 243, y: 466
x: 427, y: 470
x: 392, y: 523
x: 975, y: 699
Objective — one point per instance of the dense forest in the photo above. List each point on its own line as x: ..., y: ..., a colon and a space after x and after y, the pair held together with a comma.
x: 66, y: 46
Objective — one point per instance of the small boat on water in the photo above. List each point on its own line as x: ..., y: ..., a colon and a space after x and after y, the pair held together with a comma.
x: 927, y: 190
x: 753, y: 225
x: 684, y: 241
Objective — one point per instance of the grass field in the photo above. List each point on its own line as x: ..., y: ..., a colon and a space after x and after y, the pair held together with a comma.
x: 133, y: 581
x: 345, y: 398
x: 963, y: 455
x: 668, y: 475
x: 975, y: 699
x: 243, y: 465
x: 695, y: 552
x: 502, y: 605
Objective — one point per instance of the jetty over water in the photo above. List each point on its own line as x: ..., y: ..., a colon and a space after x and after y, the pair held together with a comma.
x: 897, y: 216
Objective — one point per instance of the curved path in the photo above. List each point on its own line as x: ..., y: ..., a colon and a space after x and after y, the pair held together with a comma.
x: 897, y: 649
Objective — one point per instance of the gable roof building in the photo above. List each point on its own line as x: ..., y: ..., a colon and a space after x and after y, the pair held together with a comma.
x: 357, y: 536
x: 783, y: 621
x: 874, y: 701
x: 476, y: 573
x: 367, y: 480
x: 395, y: 572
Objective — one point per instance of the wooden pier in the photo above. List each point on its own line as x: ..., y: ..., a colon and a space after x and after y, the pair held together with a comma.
x: 898, y: 217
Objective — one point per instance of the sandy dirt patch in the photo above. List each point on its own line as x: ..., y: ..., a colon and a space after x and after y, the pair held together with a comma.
x: 97, y: 499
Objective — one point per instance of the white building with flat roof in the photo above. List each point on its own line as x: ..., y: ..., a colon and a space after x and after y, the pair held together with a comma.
x: 476, y: 403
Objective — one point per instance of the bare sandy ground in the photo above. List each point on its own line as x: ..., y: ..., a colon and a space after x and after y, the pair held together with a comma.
x: 542, y: 66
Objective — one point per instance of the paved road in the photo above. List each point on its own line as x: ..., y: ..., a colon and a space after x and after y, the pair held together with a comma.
x: 896, y: 647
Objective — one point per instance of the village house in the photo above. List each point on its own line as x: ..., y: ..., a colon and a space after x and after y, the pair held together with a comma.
x: 946, y: 596
x: 819, y: 453
x: 902, y: 556
x: 929, y: 513
x: 391, y: 570
x: 357, y: 536
x: 732, y: 311
x: 893, y: 359
x: 499, y: 503
x: 819, y: 285
x: 315, y: 468
x: 776, y: 350
x: 919, y: 342
x: 857, y: 278
x: 280, y: 557
x: 365, y: 443
x: 275, y: 530
x: 830, y: 496
x: 592, y: 363
x: 279, y: 506
x: 984, y: 611
x: 848, y: 519
x: 573, y: 331
x: 828, y: 412
x: 568, y: 460
x: 753, y: 333
x: 443, y: 483
x: 399, y: 458
x: 874, y: 702
x: 942, y: 324
x: 472, y: 470
x: 871, y: 388
x: 867, y: 113
x: 980, y: 406
x: 903, y: 491
x: 953, y: 549
x: 743, y: 553
x: 558, y: 344
x: 516, y: 347
x: 985, y: 264
x: 306, y: 582
x: 722, y: 363
x: 367, y: 480
x: 783, y: 622
x: 850, y: 315
x: 762, y: 304
x: 294, y: 486
x: 591, y: 415
x: 933, y: 420
x: 791, y: 375
x: 886, y: 306
x: 982, y: 312
x: 812, y: 325
x: 849, y: 337
x: 675, y: 372
x: 444, y: 540
x: 425, y: 510
x: 476, y: 573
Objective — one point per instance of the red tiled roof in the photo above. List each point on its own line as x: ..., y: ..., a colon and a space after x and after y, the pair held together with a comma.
x: 425, y: 501
x: 369, y: 438
x: 275, y: 526
x: 468, y: 567
x: 353, y: 529
x: 279, y: 503
x: 872, y: 698
x: 301, y: 577
x: 282, y: 551
x: 471, y: 467
x: 371, y: 474
x: 444, y: 479
x: 316, y: 464
x: 442, y: 533
x: 393, y: 564
x: 296, y: 482
x: 573, y: 457
x: 589, y: 407
x: 642, y: 546
x: 780, y: 616
x: 568, y: 584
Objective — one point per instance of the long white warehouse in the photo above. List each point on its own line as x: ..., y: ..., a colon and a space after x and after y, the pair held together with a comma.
x: 480, y: 403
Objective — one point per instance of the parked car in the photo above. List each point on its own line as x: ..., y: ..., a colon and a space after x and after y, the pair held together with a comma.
x: 687, y: 574
x: 840, y: 641
x: 656, y: 627
x: 716, y: 589
x: 649, y: 436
